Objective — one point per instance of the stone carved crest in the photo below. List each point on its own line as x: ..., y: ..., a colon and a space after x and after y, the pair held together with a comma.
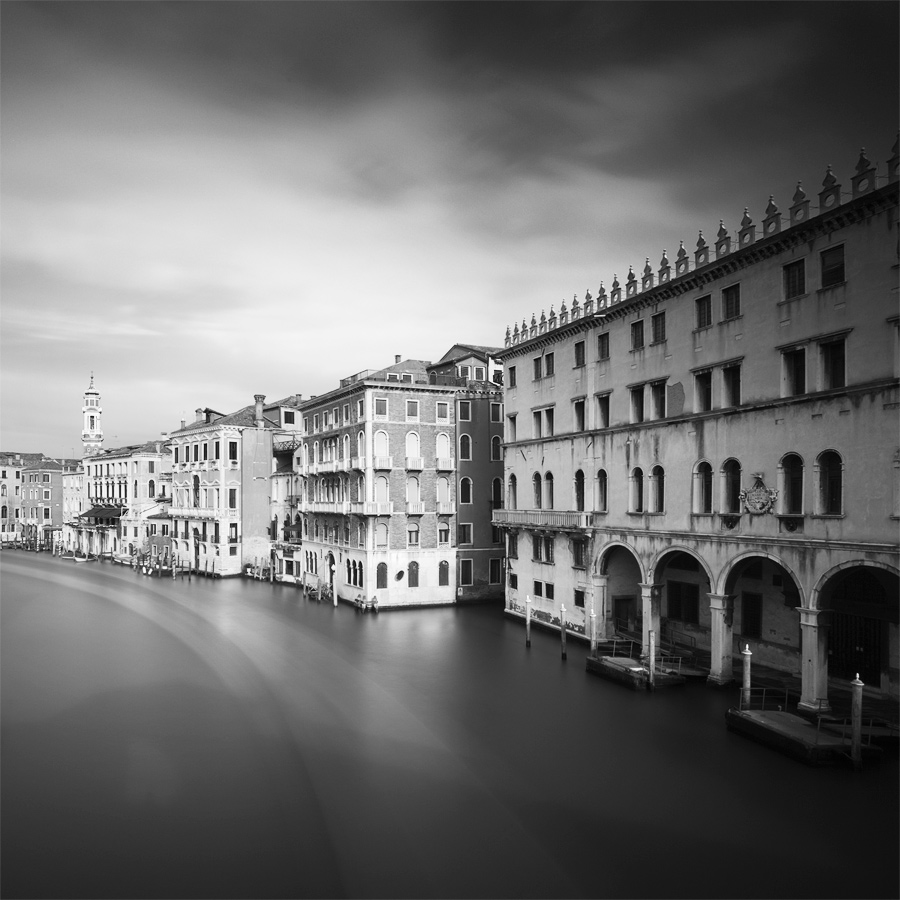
x: 758, y: 499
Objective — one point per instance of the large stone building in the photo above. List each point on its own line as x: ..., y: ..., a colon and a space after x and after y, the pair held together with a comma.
x: 711, y: 453
x: 42, y: 500
x: 399, y: 467
x: 11, y: 467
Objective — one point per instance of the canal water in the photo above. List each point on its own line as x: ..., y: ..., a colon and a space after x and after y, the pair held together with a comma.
x: 230, y: 739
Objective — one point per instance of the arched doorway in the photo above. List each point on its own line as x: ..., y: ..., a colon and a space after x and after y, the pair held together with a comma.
x: 623, y: 591
x: 684, y: 598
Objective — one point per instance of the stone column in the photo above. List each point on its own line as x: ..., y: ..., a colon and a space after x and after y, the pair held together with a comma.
x: 721, y: 608
x: 650, y: 594
x: 602, y: 608
x: 813, y: 660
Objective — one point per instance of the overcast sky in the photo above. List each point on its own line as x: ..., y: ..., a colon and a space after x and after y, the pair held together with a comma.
x: 201, y: 201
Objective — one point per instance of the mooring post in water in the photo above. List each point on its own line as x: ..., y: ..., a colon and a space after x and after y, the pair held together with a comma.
x: 651, y: 661
x: 528, y: 621
x: 562, y: 630
x: 856, y: 722
x: 745, y: 690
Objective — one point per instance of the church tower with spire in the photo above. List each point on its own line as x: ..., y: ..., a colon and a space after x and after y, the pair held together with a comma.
x: 91, y: 430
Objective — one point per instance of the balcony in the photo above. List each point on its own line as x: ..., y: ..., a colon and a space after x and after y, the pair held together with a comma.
x: 445, y: 464
x: 327, y: 506
x: 368, y: 508
x: 414, y: 463
x: 542, y: 518
x: 444, y: 509
x: 383, y: 462
x: 415, y: 509
x: 358, y: 462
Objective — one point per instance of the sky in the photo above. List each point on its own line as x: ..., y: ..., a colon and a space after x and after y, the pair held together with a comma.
x: 203, y: 201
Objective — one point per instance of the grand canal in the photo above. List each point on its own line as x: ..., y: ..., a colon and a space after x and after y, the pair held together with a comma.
x: 230, y: 739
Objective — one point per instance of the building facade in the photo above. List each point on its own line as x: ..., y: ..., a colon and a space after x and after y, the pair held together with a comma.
x: 711, y: 452
x: 12, y: 465
x: 42, y: 501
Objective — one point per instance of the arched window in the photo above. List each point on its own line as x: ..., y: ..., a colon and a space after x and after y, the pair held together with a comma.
x: 412, y: 489
x: 536, y: 482
x: 443, y: 533
x: 412, y: 534
x: 512, y: 499
x: 361, y: 536
x: 465, y: 447
x: 381, y: 535
x: 196, y: 490
x: 657, y: 490
x: 731, y: 486
x: 413, y: 576
x: 792, y: 485
x: 382, y: 446
x: 382, y: 489
x: 831, y: 487
x: 361, y: 445
x: 359, y: 575
x: 443, y: 489
x: 4, y: 513
x: 442, y: 446
x: 346, y: 448
x: 579, y: 490
x: 637, y: 490
x: 2, y: 490
x: 381, y: 575
x: 602, y: 491
x: 703, y: 488
x: 497, y: 493
x: 548, y: 491
x: 443, y: 573
x: 412, y: 444
x: 350, y: 572
x: 151, y: 488
x: 496, y: 449
x: 465, y: 490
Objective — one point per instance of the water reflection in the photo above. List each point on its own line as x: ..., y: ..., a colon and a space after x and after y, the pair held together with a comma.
x: 229, y: 739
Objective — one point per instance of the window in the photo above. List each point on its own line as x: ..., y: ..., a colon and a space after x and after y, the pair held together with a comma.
x: 536, y: 483
x: 176, y: 460
x: 465, y: 533
x: 658, y: 399
x: 412, y: 534
x: 381, y: 408
x: 548, y: 421
x: 731, y: 302
x: 637, y: 490
x: 602, y: 486
x: 794, y: 371
x: 196, y: 458
x: 731, y: 382
x: 703, y: 391
x: 496, y: 412
x: 512, y: 545
x: 47, y: 494
x: 637, y: 335
x: 464, y: 371
x: 381, y: 576
x: 381, y: 535
x: 442, y: 411
x: 579, y: 354
x: 603, y: 411
x: 538, y: 589
x: 579, y: 415
x: 751, y: 615
x: 831, y: 470
x: 496, y: 449
x: 443, y: 573
x: 603, y: 345
x: 478, y: 372
x: 658, y: 328
x: 549, y: 365
x: 548, y: 491
x: 316, y: 422
x: 47, y: 513
x: 683, y: 602
x: 496, y: 535
x: 494, y: 571
x: 792, y: 486
x: 346, y: 413
x: 794, y: 279
x: 465, y: 572
x: 657, y: 489
x: 834, y: 368
x: 465, y: 490
x: 232, y: 451
x: 232, y: 498
x: 731, y: 482
x: 232, y: 532
x: 465, y: 411
x: 579, y: 598
x: 465, y: 447
x: 832, y: 261
x: 579, y: 553
x: 637, y: 404
x: 360, y: 410
x: 703, y: 483
x: 412, y: 410
x: 443, y: 534
x: 537, y: 368
x: 542, y: 548
x: 703, y: 312
x: 548, y: 590
x: 512, y: 499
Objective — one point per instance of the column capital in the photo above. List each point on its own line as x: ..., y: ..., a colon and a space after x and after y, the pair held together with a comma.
x: 720, y: 601
x: 809, y: 616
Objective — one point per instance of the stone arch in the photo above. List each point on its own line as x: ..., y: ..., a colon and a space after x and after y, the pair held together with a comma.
x: 729, y: 569
x: 601, y: 559
x: 815, y: 593
x: 655, y: 569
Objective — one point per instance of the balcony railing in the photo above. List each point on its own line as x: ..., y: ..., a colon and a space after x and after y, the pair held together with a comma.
x: 542, y: 518
x: 358, y: 462
x: 444, y: 509
x: 383, y: 462
x: 369, y: 508
x: 445, y: 463
x: 416, y: 508
x: 327, y: 506
x: 415, y: 462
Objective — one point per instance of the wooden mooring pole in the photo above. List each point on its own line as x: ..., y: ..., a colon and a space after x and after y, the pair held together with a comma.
x: 745, y: 691
x: 856, y: 722
x: 528, y: 621
x: 562, y: 630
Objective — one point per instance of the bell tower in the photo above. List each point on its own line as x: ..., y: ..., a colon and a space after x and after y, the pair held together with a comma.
x: 91, y: 430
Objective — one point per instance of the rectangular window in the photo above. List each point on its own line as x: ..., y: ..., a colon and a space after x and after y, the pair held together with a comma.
x: 306, y: 424
x: 538, y: 589
x: 549, y: 365
x: 536, y: 547
x: 346, y: 413
x: 412, y: 410
x: 46, y: 495
x: 478, y: 372
x: 360, y: 409
x: 794, y: 279
x: 548, y: 422
x: 232, y: 498
x: 464, y: 372
x: 658, y: 398
x: 548, y: 550
x: 233, y: 450
x: 658, y: 328
x: 196, y: 458
x: 751, y: 615
x: 834, y: 364
x: 232, y: 532
x: 381, y: 407
x: 731, y: 302
x: 684, y: 602
x: 548, y: 590
x: 579, y: 415
x: 703, y: 311
x: 215, y: 450
x: 514, y: 581
x: 510, y: 428
x: 794, y: 366
x: 46, y: 513
x: 465, y: 533
x: 316, y: 422
x: 579, y: 599
x: 579, y: 354
x: 512, y: 546
x: 495, y: 573
x: 603, y: 411
x: 442, y: 411
x: 703, y: 391
x: 731, y: 384
x: 496, y: 412
x: 511, y: 376
x: 637, y: 404
x: 579, y: 553
x: 465, y: 572
x: 465, y: 411
x: 496, y: 535
x: 536, y: 430
x: 205, y: 454
x: 538, y: 369
x: 637, y: 335
x: 288, y: 417
x: 603, y: 345
x: 832, y: 266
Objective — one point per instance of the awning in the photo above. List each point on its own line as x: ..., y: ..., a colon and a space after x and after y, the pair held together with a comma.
x: 103, y: 512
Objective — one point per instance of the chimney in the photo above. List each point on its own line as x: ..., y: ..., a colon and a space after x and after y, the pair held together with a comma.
x: 397, y: 360
x: 183, y: 423
x: 259, y: 398
x: 199, y: 413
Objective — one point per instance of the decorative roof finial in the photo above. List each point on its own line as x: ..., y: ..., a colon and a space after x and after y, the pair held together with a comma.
x: 829, y: 180
x: 723, y: 231
x: 799, y: 194
x: 647, y: 269
x: 863, y: 165
x: 682, y: 253
x: 771, y: 209
x: 701, y: 243
x: 746, y: 220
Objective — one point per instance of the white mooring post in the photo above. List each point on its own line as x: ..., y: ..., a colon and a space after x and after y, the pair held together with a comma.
x: 745, y: 690
x: 593, y: 621
x: 562, y: 630
x: 528, y: 621
x: 652, y: 660
x: 856, y: 723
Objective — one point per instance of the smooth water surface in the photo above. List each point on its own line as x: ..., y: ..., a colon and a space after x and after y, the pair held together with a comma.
x: 230, y: 739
